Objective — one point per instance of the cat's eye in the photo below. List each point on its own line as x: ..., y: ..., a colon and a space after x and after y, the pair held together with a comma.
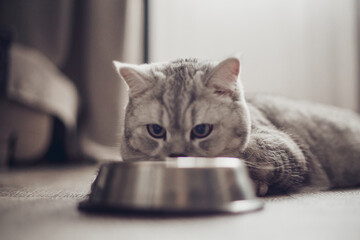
x: 201, y: 131
x: 156, y: 131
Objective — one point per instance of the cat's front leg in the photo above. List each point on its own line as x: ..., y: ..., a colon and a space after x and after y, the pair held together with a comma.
x: 275, y: 161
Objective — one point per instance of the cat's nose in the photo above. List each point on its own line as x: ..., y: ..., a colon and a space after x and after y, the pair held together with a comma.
x: 174, y: 155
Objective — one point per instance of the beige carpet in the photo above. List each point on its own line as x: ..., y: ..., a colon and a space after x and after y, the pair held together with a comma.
x: 41, y: 203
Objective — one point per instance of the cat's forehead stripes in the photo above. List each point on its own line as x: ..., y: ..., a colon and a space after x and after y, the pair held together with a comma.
x: 177, y: 90
x: 176, y: 85
x: 184, y: 67
x: 178, y: 96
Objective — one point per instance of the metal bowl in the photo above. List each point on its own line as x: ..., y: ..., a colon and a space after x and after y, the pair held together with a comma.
x: 176, y: 185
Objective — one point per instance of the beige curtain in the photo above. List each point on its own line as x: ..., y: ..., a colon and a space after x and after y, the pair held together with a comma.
x: 82, y: 38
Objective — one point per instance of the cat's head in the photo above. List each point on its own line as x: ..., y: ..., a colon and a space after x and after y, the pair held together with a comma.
x: 186, y: 107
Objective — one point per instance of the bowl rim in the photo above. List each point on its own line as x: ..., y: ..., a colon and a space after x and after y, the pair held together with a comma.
x: 238, y: 206
x: 183, y: 163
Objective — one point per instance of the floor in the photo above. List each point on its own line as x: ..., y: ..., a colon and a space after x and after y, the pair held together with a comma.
x: 41, y: 203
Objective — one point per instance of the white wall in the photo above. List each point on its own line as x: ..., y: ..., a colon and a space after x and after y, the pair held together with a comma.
x: 300, y: 48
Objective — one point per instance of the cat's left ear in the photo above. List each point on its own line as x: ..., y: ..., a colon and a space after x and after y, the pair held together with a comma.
x: 224, y: 78
x: 134, y: 75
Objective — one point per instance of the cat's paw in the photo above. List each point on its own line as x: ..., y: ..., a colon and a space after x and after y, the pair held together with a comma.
x: 261, y: 189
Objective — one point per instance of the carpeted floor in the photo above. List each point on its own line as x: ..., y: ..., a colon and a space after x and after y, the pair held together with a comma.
x: 41, y: 203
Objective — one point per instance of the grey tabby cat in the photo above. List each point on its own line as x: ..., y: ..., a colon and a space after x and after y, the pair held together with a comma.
x: 198, y: 108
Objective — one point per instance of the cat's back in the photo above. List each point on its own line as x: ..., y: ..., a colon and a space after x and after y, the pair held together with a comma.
x: 331, y: 134
x: 287, y: 113
x: 284, y: 112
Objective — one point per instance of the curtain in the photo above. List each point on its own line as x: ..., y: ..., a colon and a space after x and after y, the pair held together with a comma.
x: 81, y: 38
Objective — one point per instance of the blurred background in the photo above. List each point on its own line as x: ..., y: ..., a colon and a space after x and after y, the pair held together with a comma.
x: 60, y: 99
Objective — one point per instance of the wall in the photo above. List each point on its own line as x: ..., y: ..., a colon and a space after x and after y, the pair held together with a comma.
x: 300, y: 48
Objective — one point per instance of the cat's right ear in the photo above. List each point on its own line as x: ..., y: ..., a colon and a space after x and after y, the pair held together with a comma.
x: 133, y: 75
x: 224, y: 79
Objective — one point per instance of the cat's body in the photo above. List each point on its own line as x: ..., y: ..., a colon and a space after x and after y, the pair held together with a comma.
x: 328, y: 139
x: 199, y: 109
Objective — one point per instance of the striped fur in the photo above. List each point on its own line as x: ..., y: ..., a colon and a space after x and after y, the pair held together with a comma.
x: 288, y: 145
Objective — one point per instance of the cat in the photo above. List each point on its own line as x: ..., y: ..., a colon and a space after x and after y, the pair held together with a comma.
x: 190, y: 107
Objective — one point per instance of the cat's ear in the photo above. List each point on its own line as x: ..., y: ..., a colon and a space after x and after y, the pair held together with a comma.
x: 134, y: 75
x: 224, y: 78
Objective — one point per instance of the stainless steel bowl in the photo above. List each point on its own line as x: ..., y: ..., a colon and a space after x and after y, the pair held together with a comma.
x: 176, y: 185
